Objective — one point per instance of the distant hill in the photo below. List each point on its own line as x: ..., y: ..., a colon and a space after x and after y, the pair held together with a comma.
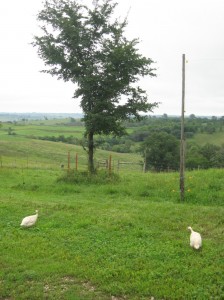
x: 5, y: 116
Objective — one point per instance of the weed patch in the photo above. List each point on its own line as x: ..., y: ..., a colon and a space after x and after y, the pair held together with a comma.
x: 101, y: 177
x: 27, y: 187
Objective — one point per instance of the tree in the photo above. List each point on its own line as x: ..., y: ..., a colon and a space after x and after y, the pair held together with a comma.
x: 194, y: 159
x: 219, y: 159
x: 87, y: 47
x: 192, y: 116
x: 161, y: 151
x: 209, y: 151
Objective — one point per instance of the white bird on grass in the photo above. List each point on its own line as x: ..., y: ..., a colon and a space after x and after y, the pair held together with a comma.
x: 30, y: 220
x: 195, y: 239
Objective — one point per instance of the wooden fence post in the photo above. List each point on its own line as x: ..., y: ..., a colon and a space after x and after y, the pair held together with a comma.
x: 109, y: 167
x: 76, y: 162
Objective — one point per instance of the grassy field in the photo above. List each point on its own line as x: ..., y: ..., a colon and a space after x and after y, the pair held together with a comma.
x: 21, y: 150
x: 23, y: 142
x: 216, y: 138
x: 45, y: 128
x: 57, y: 127
x: 118, y: 240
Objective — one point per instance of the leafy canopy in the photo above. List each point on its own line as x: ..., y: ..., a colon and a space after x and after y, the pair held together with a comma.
x: 161, y: 151
x: 87, y: 46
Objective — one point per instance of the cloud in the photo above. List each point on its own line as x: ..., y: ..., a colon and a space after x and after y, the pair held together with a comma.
x: 166, y: 30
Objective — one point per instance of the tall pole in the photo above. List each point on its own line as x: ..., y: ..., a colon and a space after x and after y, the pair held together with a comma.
x: 182, y: 141
x: 68, y: 161
x: 76, y: 162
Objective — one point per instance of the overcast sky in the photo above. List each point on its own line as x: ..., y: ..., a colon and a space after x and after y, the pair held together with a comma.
x: 166, y: 29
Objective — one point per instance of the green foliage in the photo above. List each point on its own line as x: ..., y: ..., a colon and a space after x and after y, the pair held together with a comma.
x: 207, y: 156
x: 11, y: 131
x: 69, y: 132
x: 193, y: 126
x: 99, y: 177
x: 161, y: 151
x: 88, y: 47
x: 200, y: 151
x: 61, y: 138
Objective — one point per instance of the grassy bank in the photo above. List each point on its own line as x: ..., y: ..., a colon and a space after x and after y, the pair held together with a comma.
x: 125, y: 239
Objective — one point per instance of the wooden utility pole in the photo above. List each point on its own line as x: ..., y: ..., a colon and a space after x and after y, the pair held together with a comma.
x: 182, y: 140
x: 76, y: 162
x: 68, y: 161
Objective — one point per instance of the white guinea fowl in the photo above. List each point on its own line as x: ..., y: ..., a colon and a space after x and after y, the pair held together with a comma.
x: 195, y: 239
x: 30, y: 220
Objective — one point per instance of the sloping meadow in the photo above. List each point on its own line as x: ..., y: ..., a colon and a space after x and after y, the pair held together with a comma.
x: 121, y: 238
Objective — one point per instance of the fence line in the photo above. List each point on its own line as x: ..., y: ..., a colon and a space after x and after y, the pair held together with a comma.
x: 122, y: 163
x: 76, y: 163
x: 70, y: 163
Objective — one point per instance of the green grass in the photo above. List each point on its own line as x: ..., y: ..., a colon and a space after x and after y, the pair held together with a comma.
x: 41, y: 130
x: 18, y: 151
x: 125, y: 238
x: 216, y: 138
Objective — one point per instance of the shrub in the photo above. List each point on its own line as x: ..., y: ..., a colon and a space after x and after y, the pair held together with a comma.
x: 99, y: 177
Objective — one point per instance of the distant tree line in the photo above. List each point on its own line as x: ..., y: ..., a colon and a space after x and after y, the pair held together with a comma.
x: 207, y: 156
x: 157, y: 140
x: 61, y: 138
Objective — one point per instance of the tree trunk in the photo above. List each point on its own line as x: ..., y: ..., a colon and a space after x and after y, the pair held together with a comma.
x: 90, y: 153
